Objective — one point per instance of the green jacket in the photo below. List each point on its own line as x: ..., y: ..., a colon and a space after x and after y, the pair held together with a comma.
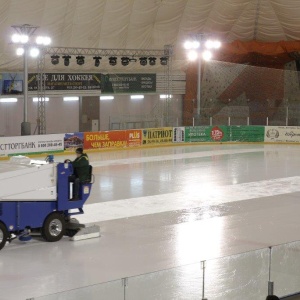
x: 81, y: 167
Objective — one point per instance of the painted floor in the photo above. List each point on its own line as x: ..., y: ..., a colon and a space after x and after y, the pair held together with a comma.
x: 164, y: 210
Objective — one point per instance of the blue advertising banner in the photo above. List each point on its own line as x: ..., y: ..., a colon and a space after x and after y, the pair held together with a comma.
x: 11, y: 83
x: 73, y: 140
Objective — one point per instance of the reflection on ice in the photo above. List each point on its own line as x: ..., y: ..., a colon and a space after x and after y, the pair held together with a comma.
x: 199, y: 239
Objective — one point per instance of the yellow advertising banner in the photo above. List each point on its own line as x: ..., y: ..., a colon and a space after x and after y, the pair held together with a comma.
x: 152, y: 136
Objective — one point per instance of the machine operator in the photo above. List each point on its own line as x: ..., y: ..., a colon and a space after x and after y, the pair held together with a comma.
x: 81, y: 171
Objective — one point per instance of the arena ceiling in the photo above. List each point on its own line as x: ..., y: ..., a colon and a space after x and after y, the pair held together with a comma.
x: 143, y: 24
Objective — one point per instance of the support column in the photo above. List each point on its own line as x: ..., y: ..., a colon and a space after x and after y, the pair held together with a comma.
x: 25, y: 125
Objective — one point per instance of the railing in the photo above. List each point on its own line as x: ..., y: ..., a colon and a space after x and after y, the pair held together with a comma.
x: 227, y: 115
x: 249, y: 276
x: 283, y: 116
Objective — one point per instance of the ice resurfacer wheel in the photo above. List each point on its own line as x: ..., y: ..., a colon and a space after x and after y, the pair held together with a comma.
x: 54, y: 227
x: 3, y: 235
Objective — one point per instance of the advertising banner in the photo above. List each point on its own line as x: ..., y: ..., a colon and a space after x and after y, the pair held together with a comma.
x: 178, y: 134
x: 11, y: 83
x: 207, y: 134
x: 73, y: 141
x: 112, y: 139
x: 66, y: 81
x: 128, y: 83
x: 104, y: 139
x: 133, y: 137
x: 157, y: 135
x: 247, y: 133
x: 31, y: 144
x: 282, y: 134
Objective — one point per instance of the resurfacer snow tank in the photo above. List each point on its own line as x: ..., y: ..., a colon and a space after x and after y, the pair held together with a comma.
x: 35, y: 198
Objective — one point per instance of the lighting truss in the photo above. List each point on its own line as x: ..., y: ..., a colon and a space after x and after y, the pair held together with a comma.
x: 105, y: 52
x: 167, y: 52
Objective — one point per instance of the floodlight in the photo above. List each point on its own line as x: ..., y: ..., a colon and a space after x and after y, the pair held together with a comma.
x: 34, y: 52
x: 47, y: 40
x: 196, y: 44
x: 192, y: 55
x: 20, y: 51
x: 43, y: 40
x: 55, y: 59
x: 112, y: 60
x: 143, y: 61
x: 125, y: 61
x: 16, y: 38
x: 163, y: 61
x: 209, y: 44
x: 97, y: 60
x: 152, y: 61
x: 188, y: 45
x: 80, y: 60
x: 217, y: 44
x: 207, y: 55
x: 66, y: 59
x: 24, y: 39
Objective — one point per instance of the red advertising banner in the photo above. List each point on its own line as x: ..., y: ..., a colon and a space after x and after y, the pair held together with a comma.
x: 134, y: 137
x: 112, y: 139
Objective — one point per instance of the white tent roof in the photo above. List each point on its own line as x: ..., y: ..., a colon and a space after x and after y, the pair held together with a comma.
x: 143, y: 24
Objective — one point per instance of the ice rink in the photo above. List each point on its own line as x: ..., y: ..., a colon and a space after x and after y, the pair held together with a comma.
x: 163, y: 211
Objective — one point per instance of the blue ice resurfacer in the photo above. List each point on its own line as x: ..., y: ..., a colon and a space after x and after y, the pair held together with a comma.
x: 35, y: 198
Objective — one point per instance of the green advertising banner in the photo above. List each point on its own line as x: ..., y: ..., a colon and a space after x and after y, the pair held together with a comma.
x: 128, y: 83
x: 207, y: 134
x: 247, y: 133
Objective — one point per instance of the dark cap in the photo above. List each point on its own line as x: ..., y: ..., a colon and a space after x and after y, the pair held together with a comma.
x: 79, y: 150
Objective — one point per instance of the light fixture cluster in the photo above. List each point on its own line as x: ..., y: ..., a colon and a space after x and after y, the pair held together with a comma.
x: 24, y: 39
x: 195, y: 48
x: 113, y: 60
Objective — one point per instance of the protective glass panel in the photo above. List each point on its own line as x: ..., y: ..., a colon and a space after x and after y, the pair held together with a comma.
x: 178, y: 283
x: 285, y: 270
x: 243, y: 276
x: 104, y: 291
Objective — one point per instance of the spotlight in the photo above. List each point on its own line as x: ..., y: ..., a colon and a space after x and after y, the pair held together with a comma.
x: 55, y: 59
x: 192, y: 55
x: 125, y: 61
x: 188, y: 45
x: 207, y: 55
x: 20, y: 51
x: 43, y: 40
x: 163, y: 61
x: 112, y: 60
x: 34, y: 52
x: 66, y: 60
x: 143, y: 61
x: 80, y: 60
x: 152, y: 61
x: 97, y: 60
x: 16, y: 38
x: 24, y: 38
